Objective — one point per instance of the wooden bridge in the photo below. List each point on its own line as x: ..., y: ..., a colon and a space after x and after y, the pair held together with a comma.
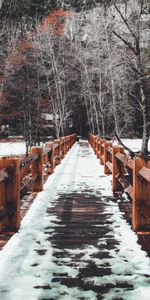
x: 77, y: 239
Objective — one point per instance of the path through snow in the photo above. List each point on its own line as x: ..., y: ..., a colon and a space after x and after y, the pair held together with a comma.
x: 74, y: 242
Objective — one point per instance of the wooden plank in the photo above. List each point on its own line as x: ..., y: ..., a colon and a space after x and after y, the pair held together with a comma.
x: 3, y: 213
x: 145, y: 173
x: 118, y: 169
x: 102, y: 157
x: 50, y: 157
x: 125, y: 184
x: 107, y: 157
x: 28, y: 159
x: 129, y: 190
x: 109, y: 165
x: 56, y: 145
x: 3, y: 175
x: 46, y: 151
x: 37, y: 169
x: 24, y: 170
x: 141, y: 192
x: 10, y: 198
x: 27, y: 187
x: 144, y: 208
x: 125, y: 160
x: 109, y: 149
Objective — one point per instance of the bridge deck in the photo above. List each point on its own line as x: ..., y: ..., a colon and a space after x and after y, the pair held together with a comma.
x: 74, y: 242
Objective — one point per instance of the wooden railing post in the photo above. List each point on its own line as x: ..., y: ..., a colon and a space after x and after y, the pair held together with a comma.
x: 98, y: 148
x: 57, y: 152
x: 92, y: 141
x: 37, y: 169
x: 95, y: 143
x: 141, y: 195
x: 10, y: 194
x: 51, y: 157
x: 69, y: 142
x: 118, y: 169
x: 101, y: 151
x: 62, y: 147
x: 65, y: 145
x: 106, y: 157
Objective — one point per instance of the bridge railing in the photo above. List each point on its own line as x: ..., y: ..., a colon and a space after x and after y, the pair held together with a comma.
x: 131, y: 176
x: 18, y: 176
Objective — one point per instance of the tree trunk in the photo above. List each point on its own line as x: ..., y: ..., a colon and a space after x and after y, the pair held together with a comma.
x: 114, y: 102
x: 143, y: 101
x: 145, y: 114
x: 101, y: 107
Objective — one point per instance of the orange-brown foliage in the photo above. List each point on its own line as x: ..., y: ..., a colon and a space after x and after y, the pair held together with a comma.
x: 24, y: 44
x: 56, y: 20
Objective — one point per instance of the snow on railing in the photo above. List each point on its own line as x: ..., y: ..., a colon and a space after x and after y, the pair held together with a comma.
x: 19, y: 175
x: 128, y: 175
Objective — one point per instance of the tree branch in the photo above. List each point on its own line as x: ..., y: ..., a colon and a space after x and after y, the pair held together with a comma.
x: 125, y: 42
x: 132, y: 153
x: 125, y: 21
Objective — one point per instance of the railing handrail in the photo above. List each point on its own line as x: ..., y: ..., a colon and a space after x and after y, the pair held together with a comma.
x: 40, y: 163
x: 118, y: 163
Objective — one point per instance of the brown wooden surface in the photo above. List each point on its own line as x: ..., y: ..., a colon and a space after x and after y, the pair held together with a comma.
x: 30, y: 158
x: 118, y: 168
x: 37, y: 169
x: 107, y: 157
x: 101, y: 152
x: 3, y: 175
x: 25, y: 170
x: 17, y: 178
x: 10, y: 194
x: 141, y: 196
x: 109, y: 166
x: 145, y: 173
x: 125, y: 160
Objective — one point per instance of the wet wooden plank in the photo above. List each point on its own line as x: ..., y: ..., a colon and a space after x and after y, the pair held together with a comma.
x: 145, y: 173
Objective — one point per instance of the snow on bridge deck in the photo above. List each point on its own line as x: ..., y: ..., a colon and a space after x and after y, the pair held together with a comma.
x: 74, y: 242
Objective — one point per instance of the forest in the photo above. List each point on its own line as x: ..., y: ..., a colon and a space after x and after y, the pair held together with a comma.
x: 75, y: 66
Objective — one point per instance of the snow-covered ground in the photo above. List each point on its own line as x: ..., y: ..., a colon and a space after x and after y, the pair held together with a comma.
x: 79, y: 171
x: 16, y: 148
x: 134, y: 144
x: 12, y: 148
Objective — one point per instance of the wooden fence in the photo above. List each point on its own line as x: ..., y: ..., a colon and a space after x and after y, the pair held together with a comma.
x: 18, y: 176
x: 128, y: 175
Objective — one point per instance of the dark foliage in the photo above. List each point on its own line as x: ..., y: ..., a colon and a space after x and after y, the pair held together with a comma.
x: 18, y: 9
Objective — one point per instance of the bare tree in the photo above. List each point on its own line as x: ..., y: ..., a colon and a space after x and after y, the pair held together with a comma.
x: 132, y: 35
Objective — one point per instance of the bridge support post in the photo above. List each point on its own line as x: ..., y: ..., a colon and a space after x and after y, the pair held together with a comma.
x: 37, y: 169
x: 101, y: 151
x: 57, y: 152
x: 51, y: 157
x: 118, y: 169
x: 10, y: 194
x: 107, y: 157
x: 97, y: 146
x: 141, y: 196
x: 62, y: 147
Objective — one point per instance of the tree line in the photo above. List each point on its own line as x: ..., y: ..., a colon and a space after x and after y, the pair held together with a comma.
x: 65, y: 58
